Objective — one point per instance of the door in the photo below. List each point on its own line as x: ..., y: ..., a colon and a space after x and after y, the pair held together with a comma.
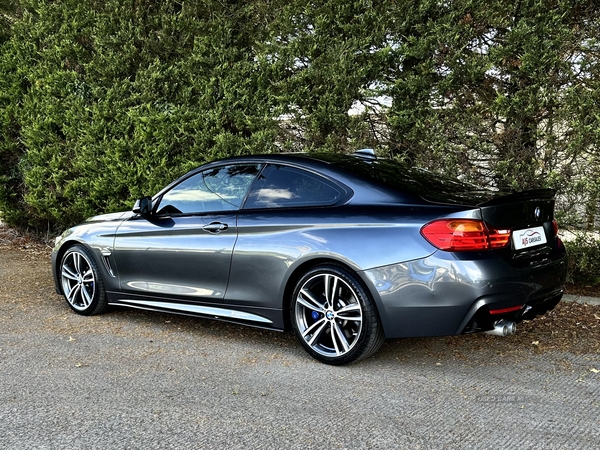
x: 182, y: 251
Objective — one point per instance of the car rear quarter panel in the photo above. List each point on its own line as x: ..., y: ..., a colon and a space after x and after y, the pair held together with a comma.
x: 434, y: 296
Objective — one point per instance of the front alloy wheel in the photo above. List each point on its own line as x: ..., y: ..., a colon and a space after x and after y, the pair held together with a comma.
x: 334, y: 317
x: 81, y: 283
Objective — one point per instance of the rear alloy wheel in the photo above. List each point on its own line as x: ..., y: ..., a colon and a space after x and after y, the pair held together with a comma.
x: 334, y: 317
x: 81, y: 283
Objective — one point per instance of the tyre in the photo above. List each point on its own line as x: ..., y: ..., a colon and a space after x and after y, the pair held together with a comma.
x: 334, y: 316
x: 81, y: 282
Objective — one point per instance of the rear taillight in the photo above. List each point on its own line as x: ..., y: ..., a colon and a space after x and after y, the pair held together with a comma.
x: 458, y: 235
x: 498, y: 237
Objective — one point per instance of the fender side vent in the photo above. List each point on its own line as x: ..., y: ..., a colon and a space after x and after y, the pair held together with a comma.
x: 106, y: 261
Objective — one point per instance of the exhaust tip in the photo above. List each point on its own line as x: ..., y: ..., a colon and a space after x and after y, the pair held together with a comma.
x: 503, y: 328
x: 511, y: 327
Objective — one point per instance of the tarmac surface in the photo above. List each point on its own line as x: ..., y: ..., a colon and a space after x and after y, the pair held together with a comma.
x: 139, y: 380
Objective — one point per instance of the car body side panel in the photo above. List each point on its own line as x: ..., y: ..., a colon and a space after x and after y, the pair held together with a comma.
x: 269, y: 248
x: 257, y: 317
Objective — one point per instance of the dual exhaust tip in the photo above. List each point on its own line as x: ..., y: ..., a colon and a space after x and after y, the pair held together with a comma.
x: 503, y: 328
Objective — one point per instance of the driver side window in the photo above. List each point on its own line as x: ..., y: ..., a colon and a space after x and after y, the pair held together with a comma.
x: 218, y: 189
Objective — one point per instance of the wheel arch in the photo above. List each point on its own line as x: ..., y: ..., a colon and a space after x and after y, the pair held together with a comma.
x: 60, y: 253
x: 87, y: 294
x: 305, y: 266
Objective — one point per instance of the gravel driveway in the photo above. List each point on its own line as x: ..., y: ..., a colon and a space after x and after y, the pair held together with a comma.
x: 131, y: 379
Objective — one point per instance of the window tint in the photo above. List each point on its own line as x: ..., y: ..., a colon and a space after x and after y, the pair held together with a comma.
x: 281, y: 186
x: 412, y: 180
x: 219, y: 189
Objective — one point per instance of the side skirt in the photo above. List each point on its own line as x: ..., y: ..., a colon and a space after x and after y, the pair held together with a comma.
x: 217, y: 313
x: 264, y: 318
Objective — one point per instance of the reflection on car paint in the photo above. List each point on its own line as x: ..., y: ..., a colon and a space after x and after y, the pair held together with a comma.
x: 174, y: 289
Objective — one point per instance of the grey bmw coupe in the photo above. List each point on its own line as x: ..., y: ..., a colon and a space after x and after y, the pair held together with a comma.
x: 345, y: 250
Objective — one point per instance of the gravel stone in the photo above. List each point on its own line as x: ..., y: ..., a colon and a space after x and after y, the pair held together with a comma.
x: 131, y: 379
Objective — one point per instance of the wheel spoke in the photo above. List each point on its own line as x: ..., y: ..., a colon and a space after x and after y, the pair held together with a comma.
x: 351, y: 312
x: 321, y: 326
x: 77, y: 262
x: 332, y: 331
x: 309, y: 305
x: 85, y: 297
x: 310, y: 329
x: 340, y: 335
x: 314, y: 304
x: 331, y: 289
x: 67, y: 273
x: 88, y: 277
x: 72, y: 293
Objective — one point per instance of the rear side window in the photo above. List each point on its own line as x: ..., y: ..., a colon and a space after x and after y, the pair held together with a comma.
x: 285, y: 187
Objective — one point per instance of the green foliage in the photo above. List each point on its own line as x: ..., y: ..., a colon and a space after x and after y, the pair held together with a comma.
x: 11, y: 203
x: 113, y: 100
x: 492, y: 91
x: 103, y: 102
x: 326, y: 57
x: 584, y: 260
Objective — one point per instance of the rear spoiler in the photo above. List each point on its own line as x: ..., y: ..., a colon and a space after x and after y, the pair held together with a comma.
x: 533, y: 194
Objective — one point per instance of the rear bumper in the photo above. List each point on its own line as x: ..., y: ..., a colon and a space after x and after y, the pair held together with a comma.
x: 448, y: 293
x: 482, y: 317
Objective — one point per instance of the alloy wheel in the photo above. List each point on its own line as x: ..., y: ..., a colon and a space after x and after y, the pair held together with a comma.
x: 78, y: 281
x: 328, y: 314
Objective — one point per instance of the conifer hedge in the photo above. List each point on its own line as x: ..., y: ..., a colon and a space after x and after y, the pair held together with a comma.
x: 102, y: 102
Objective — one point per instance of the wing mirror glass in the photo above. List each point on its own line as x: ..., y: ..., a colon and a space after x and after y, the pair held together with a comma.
x: 143, y: 206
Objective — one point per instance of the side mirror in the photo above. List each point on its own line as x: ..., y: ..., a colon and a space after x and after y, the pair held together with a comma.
x: 143, y: 206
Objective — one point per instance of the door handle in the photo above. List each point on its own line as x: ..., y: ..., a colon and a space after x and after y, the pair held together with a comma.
x: 215, y: 227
